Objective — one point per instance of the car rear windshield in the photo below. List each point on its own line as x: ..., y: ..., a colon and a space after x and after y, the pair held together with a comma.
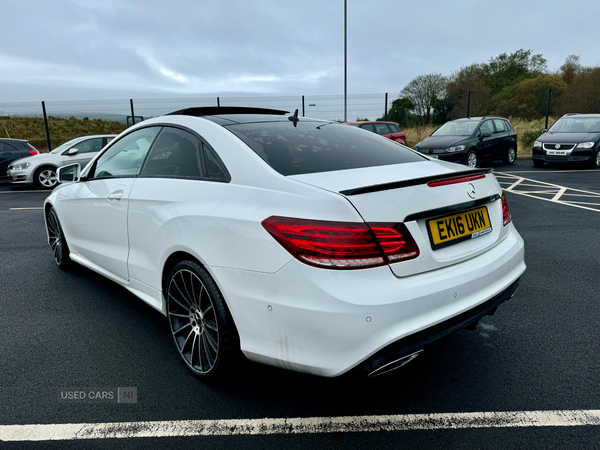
x: 311, y: 147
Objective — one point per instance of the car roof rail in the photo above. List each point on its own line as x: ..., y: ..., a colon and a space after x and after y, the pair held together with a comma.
x: 217, y: 110
x: 571, y: 114
x: 489, y: 117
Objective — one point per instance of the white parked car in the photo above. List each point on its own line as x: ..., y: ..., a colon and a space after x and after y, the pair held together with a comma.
x: 41, y: 169
x: 308, y: 245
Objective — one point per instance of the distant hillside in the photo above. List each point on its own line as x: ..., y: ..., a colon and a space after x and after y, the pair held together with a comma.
x: 61, y: 130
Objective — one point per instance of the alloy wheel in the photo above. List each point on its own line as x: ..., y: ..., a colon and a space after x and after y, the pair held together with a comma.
x: 472, y: 159
x: 511, y: 155
x: 54, y: 235
x: 48, y: 178
x: 193, y: 321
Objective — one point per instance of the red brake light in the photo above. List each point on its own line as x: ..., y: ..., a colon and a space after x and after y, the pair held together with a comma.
x: 455, y: 180
x: 342, y: 245
x: 506, y: 216
x: 396, y: 241
x: 33, y: 152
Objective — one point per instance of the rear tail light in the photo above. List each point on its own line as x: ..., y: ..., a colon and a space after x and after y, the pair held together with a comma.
x: 506, y: 216
x: 455, y: 180
x: 33, y: 152
x: 342, y: 245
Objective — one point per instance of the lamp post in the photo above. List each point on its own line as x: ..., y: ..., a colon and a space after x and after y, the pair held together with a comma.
x: 345, y: 64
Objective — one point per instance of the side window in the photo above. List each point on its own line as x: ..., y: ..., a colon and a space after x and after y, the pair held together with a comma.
x: 368, y: 127
x: 486, y: 128
x: 394, y: 127
x: 176, y: 153
x: 500, y: 126
x: 1, y: 147
x: 126, y: 156
x: 89, y: 145
x: 382, y: 128
x: 214, y: 166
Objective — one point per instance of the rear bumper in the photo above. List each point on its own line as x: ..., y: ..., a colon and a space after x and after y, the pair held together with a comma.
x: 422, y: 339
x: 327, y: 322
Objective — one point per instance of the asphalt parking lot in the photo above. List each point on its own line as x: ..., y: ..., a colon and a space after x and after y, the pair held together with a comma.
x: 527, y: 377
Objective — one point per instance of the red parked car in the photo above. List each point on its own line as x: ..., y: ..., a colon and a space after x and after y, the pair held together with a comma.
x: 390, y: 130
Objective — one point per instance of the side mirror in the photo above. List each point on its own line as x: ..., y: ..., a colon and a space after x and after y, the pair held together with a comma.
x: 486, y: 135
x: 69, y: 174
x: 545, y: 130
x: 73, y: 151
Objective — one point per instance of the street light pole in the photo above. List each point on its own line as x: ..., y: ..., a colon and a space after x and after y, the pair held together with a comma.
x: 345, y: 65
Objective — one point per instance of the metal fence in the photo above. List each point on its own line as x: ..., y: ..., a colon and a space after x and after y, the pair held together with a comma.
x: 59, y: 121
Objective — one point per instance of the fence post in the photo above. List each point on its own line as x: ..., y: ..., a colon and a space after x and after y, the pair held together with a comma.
x: 132, y: 113
x: 385, y: 110
x: 46, y: 124
x: 218, y: 103
x: 548, y: 107
x: 468, y: 103
x: 303, y: 106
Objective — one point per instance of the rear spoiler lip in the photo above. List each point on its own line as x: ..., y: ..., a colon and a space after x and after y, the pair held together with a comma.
x: 413, y: 182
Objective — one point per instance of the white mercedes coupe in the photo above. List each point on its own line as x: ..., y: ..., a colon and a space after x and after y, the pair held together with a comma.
x: 306, y: 244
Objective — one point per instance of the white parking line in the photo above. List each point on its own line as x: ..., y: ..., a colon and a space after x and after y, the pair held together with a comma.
x: 560, y: 192
x: 554, y: 171
x: 23, y: 192
x: 537, y: 189
x: 21, y: 209
x: 310, y: 425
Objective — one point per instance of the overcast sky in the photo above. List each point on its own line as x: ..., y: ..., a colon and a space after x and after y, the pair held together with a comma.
x: 99, y: 49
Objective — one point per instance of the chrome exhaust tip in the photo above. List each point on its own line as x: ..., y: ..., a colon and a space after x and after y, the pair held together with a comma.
x: 394, y: 364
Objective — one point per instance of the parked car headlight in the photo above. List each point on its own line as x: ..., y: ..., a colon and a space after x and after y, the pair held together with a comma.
x: 585, y: 145
x: 458, y: 148
x: 537, y: 144
x: 20, y: 166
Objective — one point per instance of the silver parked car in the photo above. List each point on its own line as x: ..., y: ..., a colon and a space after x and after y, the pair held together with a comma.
x: 41, y: 169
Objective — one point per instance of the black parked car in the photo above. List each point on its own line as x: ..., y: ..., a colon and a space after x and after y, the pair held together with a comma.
x: 472, y: 140
x: 11, y: 149
x: 573, y: 138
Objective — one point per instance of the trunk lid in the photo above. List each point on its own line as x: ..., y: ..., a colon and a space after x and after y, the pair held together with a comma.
x: 400, y: 193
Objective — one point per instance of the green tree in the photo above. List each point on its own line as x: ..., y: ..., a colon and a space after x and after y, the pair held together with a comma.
x: 400, y: 112
x: 528, y: 98
x: 469, y: 78
x: 505, y: 70
x: 442, y: 110
x: 582, y: 95
x: 570, y: 69
x: 422, y: 92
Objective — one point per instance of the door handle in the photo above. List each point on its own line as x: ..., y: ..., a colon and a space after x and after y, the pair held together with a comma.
x: 115, y: 196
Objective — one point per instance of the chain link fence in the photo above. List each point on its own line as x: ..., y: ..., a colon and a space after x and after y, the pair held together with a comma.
x: 70, y: 119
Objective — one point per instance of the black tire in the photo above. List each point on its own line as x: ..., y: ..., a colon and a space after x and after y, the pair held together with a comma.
x: 538, y: 162
x: 471, y: 159
x: 200, y: 323
x: 511, y: 155
x: 595, y: 164
x: 57, y: 241
x: 46, y: 177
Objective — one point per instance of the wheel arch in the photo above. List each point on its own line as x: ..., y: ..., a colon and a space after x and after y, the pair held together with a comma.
x: 179, y: 256
x: 46, y: 165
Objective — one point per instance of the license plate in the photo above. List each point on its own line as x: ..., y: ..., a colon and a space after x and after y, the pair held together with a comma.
x: 556, y: 152
x: 456, y: 228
